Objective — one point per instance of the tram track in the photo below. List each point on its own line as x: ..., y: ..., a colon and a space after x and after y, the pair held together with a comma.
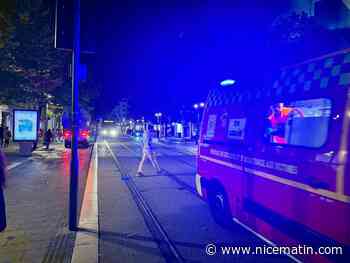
x: 173, y: 176
x: 192, y: 190
x: 164, y: 242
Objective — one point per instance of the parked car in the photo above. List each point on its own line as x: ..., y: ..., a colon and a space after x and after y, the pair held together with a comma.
x: 83, y: 139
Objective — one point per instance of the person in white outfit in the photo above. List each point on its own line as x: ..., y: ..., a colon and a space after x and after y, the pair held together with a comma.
x: 148, y: 151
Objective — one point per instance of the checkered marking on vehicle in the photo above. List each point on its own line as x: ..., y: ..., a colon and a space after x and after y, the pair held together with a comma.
x: 328, y: 72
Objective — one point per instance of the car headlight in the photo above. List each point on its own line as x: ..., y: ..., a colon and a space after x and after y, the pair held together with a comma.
x: 113, y: 132
x: 104, y: 132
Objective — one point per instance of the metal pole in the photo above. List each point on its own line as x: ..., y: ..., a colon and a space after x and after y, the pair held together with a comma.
x: 158, y: 128
x: 74, y: 166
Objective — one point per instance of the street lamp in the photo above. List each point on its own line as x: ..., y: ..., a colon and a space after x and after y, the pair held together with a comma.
x: 158, y: 115
x: 198, y: 107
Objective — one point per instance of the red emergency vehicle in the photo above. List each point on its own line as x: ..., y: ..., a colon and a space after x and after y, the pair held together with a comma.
x: 276, y: 159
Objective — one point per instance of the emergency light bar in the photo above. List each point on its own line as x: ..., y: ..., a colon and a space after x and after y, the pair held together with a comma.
x: 227, y: 82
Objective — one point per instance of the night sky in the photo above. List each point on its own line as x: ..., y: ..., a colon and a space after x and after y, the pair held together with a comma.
x: 163, y: 55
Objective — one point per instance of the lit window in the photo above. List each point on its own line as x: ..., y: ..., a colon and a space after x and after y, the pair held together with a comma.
x: 300, y: 123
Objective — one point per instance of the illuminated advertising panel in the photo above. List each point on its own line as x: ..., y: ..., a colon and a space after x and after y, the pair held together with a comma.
x: 25, y: 125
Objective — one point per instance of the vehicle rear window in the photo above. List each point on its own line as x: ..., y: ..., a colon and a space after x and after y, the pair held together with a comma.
x: 299, y: 123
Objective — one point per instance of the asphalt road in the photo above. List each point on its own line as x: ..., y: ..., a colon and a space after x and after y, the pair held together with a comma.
x: 179, y: 212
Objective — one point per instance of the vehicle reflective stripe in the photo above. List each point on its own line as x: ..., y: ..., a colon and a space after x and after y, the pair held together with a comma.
x: 231, y: 165
x: 305, y: 187
x: 198, y: 185
x: 343, y: 147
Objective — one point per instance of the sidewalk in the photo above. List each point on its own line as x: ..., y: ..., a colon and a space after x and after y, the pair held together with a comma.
x: 37, y: 206
x: 13, y: 156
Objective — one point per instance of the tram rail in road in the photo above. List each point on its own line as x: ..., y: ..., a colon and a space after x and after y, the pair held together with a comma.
x: 172, y: 176
x: 189, y: 187
x: 165, y: 244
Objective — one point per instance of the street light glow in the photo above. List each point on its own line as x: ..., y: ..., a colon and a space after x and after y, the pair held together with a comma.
x: 227, y: 82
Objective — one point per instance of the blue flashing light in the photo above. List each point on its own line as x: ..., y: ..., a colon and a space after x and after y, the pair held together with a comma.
x: 227, y: 82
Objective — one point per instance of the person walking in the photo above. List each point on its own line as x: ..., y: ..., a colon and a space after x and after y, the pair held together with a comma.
x: 48, y: 138
x: 147, y: 151
x: 7, y: 136
x: 2, y: 197
x: 59, y: 134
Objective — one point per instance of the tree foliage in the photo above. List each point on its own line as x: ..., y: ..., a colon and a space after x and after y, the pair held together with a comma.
x: 89, y: 93
x: 30, y: 65
x: 121, y: 111
x: 296, y: 36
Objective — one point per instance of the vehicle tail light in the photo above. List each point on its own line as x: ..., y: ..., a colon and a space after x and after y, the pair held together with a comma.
x: 84, y: 133
x: 67, y: 134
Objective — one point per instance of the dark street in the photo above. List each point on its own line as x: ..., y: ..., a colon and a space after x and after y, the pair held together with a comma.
x: 174, y: 131
x: 174, y: 203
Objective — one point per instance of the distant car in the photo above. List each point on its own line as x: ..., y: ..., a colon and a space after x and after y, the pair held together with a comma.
x: 138, y: 134
x: 109, y: 130
x: 83, y: 139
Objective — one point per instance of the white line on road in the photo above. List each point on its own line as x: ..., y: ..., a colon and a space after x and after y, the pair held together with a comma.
x: 15, y: 164
x: 86, y: 242
x: 263, y: 238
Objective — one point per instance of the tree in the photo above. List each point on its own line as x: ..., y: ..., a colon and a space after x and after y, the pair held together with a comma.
x: 89, y: 93
x: 32, y: 65
x: 121, y: 111
x: 7, y: 8
x: 120, y: 114
x: 298, y: 36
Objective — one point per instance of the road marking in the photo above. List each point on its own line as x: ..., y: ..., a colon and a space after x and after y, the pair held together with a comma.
x: 86, y: 242
x: 221, y: 162
x: 15, y: 164
x: 268, y: 241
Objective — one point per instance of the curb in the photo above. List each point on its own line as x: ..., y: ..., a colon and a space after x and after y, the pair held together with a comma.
x: 86, y: 242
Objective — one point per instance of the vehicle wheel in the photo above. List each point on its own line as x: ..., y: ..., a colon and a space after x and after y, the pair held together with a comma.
x: 219, y: 206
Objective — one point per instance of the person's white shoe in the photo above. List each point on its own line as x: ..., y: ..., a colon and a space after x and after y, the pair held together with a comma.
x: 139, y: 174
